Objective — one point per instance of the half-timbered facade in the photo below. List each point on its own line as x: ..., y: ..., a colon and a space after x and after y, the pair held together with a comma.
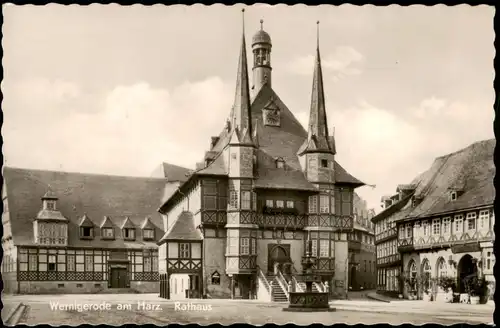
x: 361, y: 242
x: 445, y: 226
x: 265, y: 187
x: 80, y: 233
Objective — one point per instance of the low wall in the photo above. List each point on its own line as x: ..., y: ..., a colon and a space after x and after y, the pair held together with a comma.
x: 82, y: 287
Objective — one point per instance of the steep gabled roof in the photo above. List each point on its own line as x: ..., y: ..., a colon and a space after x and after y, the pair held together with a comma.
x: 173, y: 173
x: 106, y: 223
x: 472, y: 167
x: 79, y: 193
x: 183, y: 229
x: 147, y: 224
x: 85, y: 221
x: 127, y: 224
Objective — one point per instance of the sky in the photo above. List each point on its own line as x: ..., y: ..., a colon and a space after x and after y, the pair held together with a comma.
x: 118, y: 90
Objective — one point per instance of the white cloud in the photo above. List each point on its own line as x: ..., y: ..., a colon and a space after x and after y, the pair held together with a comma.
x: 137, y: 127
x: 339, y: 64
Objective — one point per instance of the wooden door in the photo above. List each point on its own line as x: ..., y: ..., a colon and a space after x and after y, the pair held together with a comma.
x: 118, y: 278
x: 278, y: 254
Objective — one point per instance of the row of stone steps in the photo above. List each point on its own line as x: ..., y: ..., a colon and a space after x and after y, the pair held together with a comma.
x: 278, y: 294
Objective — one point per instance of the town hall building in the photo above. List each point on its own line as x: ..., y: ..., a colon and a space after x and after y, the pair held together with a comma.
x: 239, y: 225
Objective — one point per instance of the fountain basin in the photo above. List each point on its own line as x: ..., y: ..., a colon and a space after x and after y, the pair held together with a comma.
x: 309, y: 302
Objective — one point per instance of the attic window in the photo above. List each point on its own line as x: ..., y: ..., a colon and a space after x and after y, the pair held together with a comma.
x: 148, y: 234
x: 453, y: 196
x: 280, y: 163
x: 129, y: 233
x: 86, y: 232
x: 324, y: 163
x: 108, y: 233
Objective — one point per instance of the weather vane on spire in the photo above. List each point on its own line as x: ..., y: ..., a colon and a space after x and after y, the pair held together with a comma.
x: 317, y: 33
x: 243, y: 14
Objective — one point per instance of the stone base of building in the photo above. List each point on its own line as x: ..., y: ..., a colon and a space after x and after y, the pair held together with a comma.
x: 84, y: 287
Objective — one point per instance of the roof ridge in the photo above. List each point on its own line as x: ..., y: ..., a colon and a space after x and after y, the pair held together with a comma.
x: 87, y: 174
x: 467, y: 147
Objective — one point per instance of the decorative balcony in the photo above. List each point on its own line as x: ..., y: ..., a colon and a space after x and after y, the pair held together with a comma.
x: 387, y: 234
x: 214, y: 217
x: 443, y: 241
x: 390, y: 260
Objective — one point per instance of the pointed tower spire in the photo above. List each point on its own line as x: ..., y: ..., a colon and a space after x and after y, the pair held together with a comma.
x: 241, y: 109
x: 318, y: 125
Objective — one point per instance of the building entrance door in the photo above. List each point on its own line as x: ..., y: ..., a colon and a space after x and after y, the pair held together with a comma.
x: 466, y: 270
x: 278, y: 254
x: 118, y: 278
x: 179, y: 286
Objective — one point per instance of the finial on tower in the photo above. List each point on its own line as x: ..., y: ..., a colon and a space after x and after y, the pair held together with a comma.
x: 317, y: 34
x: 243, y: 16
x: 261, y: 24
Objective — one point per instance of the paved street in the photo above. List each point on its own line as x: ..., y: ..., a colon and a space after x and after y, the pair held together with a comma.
x: 161, y: 312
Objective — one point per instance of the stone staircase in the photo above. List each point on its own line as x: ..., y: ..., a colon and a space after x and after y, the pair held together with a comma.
x: 278, y: 292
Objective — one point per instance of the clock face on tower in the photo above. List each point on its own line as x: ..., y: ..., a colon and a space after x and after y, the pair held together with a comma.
x: 272, y: 116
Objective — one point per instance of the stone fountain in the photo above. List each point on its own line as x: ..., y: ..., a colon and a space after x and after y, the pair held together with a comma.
x: 308, y: 300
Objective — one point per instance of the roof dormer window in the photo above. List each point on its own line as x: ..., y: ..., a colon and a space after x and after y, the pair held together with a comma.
x: 86, y: 232
x: 453, y: 195
x: 129, y: 233
x: 280, y: 163
x: 148, y: 234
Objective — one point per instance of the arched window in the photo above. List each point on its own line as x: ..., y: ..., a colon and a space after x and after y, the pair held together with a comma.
x: 442, y: 270
x: 426, y: 274
x: 412, y: 269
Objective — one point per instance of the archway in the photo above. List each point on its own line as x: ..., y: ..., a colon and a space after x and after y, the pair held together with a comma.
x: 441, y: 268
x: 412, y: 276
x: 425, y: 272
x: 466, y: 269
x: 278, y: 256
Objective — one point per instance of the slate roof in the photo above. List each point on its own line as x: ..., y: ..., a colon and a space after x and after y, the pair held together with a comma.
x: 472, y: 168
x: 273, y: 142
x: 173, y: 173
x: 79, y: 194
x: 182, y: 229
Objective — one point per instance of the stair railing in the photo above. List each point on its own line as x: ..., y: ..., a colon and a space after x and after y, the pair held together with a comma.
x: 265, y: 282
x: 298, y: 287
x: 283, y: 284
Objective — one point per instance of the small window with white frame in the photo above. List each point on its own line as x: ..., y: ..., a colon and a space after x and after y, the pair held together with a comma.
x: 289, y: 204
x: 453, y: 195
x: 484, y: 220
x: 436, y: 226
x: 458, y: 223
x: 280, y: 204
x: 471, y: 221
x: 446, y: 225
x: 269, y: 203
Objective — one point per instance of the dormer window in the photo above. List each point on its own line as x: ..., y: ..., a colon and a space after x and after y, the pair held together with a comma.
x: 129, y: 233
x: 453, y: 196
x: 108, y: 233
x: 324, y: 163
x: 86, y: 232
x: 148, y: 234
x: 280, y: 163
